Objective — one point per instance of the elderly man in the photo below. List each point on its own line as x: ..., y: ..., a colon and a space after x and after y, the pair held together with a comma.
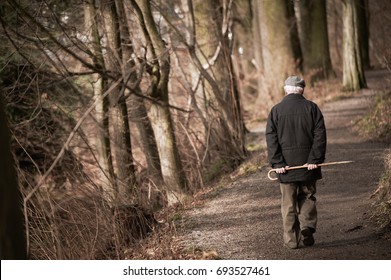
x: 296, y: 135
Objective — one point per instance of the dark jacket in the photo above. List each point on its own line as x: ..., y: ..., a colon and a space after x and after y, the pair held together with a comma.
x: 296, y: 135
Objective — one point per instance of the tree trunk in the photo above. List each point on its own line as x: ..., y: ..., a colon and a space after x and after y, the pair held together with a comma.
x: 279, y: 49
x: 314, y: 38
x: 12, y: 235
x: 257, y: 39
x: 159, y: 112
x: 222, y: 101
x: 138, y: 112
x: 353, y: 71
x: 102, y: 139
x: 363, y: 21
x: 139, y: 116
x: 124, y: 166
x: 294, y: 36
x: 242, y: 44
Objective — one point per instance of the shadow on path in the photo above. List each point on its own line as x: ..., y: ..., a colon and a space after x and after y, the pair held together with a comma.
x: 242, y: 219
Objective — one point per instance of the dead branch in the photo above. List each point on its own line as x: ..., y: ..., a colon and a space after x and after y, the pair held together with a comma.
x: 60, y: 155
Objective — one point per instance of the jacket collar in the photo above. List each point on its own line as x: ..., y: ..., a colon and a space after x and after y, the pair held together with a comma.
x: 294, y: 96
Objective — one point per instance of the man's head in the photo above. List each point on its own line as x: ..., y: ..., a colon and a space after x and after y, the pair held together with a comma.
x: 294, y: 84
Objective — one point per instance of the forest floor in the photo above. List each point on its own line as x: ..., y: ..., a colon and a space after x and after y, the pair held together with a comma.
x: 240, y: 218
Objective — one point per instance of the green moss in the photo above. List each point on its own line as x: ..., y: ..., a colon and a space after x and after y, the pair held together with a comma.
x: 176, y: 217
x: 214, y: 170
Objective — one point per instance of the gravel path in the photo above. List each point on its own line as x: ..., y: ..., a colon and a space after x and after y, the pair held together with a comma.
x: 242, y: 220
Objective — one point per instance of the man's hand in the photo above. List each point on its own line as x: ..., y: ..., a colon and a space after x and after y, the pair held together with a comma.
x: 281, y: 170
x: 311, y: 166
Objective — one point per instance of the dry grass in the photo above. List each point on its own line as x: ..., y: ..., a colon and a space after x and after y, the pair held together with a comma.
x: 382, y: 205
x: 376, y: 126
x: 82, y: 225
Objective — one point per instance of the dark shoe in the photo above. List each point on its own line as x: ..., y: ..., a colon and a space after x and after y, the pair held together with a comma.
x: 308, y: 237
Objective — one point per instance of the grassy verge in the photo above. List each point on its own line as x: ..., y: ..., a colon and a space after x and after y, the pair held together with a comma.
x: 376, y: 125
x: 382, y: 195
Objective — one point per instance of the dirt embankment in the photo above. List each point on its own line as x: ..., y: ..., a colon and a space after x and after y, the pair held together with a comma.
x: 241, y: 220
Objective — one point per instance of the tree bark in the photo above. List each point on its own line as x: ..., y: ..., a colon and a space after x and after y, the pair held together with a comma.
x: 124, y: 166
x: 353, y: 71
x: 314, y: 38
x: 100, y: 83
x: 257, y: 38
x: 12, y: 235
x: 279, y: 49
x: 363, y: 21
x: 159, y: 112
x: 222, y: 102
x: 243, y: 47
x: 138, y: 112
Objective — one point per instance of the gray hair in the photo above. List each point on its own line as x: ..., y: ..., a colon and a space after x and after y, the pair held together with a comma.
x: 293, y: 89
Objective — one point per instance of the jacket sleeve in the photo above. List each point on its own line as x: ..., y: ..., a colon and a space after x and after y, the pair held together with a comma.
x: 274, y: 151
x: 318, y: 150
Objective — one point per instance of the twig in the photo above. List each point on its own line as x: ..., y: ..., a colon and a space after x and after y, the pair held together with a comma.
x: 27, y: 153
x: 60, y: 155
x: 207, y: 141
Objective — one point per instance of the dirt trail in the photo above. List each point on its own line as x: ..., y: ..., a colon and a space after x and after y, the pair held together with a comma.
x: 242, y: 219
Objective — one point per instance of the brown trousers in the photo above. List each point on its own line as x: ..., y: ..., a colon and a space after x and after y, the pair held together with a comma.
x: 298, y: 208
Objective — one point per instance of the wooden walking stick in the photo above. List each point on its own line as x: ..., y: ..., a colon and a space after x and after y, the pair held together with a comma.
x: 305, y: 166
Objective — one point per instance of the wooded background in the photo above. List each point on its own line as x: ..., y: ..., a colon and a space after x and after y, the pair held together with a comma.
x: 118, y: 108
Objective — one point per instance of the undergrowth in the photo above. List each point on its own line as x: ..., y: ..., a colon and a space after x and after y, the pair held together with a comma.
x: 382, y: 205
x: 376, y: 125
